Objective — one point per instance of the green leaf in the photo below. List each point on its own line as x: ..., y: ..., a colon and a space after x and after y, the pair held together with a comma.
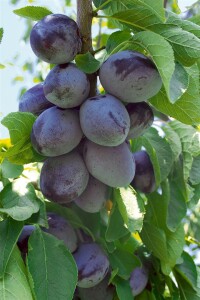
x: 187, y: 108
x: 10, y: 170
x: 185, y: 44
x: 9, y: 234
x: 186, y: 25
x: 57, y: 275
x: 124, y: 261
x: 195, y: 171
x: 177, y: 207
x: 18, y: 200
x: 115, y: 229
x: 160, y: 153
x: 139, y: 17
x: 115, y: 39
x: 173, y: 140
x: 130, y: 207
x: 14, y: 284
x: 87, y: 63
x: 186, y: 291
x: 187, y: 269
x: 189, y: 138
x: 40, y: 217
x: 20, y: 125
x: 123, y: 288
x: 1, y: 34
x: 34, y: 13
x: 2, y: 66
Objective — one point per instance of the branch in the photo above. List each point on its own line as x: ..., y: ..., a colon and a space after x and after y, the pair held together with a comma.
x: 84, y: 21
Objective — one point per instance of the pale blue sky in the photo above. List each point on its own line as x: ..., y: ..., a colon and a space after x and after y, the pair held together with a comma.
x: 11, y: 45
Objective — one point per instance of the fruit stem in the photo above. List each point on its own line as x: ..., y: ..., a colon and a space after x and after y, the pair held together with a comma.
x: 84, y: 21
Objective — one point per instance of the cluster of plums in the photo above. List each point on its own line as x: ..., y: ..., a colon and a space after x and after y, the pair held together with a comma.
x: 86, y: 139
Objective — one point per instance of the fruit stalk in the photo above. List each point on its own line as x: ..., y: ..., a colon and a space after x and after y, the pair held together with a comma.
x: 84, y: 21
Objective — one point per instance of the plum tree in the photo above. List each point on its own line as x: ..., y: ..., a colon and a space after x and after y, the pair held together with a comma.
x: 101, y: 291
x: 22, y: 242
x: 56, y: 39
x: 130, y: 76
x: 144, y: 179
x: 56, y: 131
x: 114, y: 166
x: 60, y: 228
x: 94, y: 196
x: 141, y: 118
x: 34, y: 100
x: 64, y: 178
x: 92, y: 264
x: 104, y: 120
x: 138, y: 280
x: 66, y: 86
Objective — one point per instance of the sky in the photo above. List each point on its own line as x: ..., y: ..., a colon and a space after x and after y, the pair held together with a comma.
x: 11, y: 45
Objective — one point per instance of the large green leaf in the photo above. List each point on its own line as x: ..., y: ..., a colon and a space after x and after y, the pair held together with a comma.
x: 130, y: 207
x: 10, y: 170
x: 20, y: 125
x: 187, y: 269
x: 52, y: 267
x: 187, y: 108
x: 186, y: 25
x: 195, y: 171
x: 189, y: 138
x: 18, y: 200
x: 34, y: 13
x: 9, y: 234
x: 186, y: 291
x: 177, y: 207
x: 123, y: 288
x: 14, y: 284
x: 116, y: 228
x: 117, y: 40
x: 173, y: 140
x: 124, y: 261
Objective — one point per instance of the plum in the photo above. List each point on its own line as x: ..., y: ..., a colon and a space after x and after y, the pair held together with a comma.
x: 114, y: 166
x: 22, y: 242
x: 130, y: 76
x: 94, y: 196
x: 144, y: 179
x: 141, y: 118
x: 104, y: 120
x: 56, y: 131
x: 138, y: 280
x: 66, y: 86
x: 92, y: 264
x: 60, y: 228
x: 34, y: 100
x: 64, y: 178
x: 101, y: 291
x: 56, y: 39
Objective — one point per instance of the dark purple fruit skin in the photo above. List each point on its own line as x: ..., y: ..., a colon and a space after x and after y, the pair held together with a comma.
x: 56, y: 39
x: 144, y: 179
x: 56, y: 131
x: 22, y: 242
x: 94, y: 196
x: 66, y: 86
x: 104, y: 120
x: 141, y: 118
x: 92, y: 263
x: 114, y: 166
x: 101, y: 291
x: 64, y: 178
x: 138, y: 280
x: 60, y: 228
x: 34, y: 100
x: 130, y: 76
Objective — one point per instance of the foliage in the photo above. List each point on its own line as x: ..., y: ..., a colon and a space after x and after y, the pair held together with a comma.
x: 132, y: 228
